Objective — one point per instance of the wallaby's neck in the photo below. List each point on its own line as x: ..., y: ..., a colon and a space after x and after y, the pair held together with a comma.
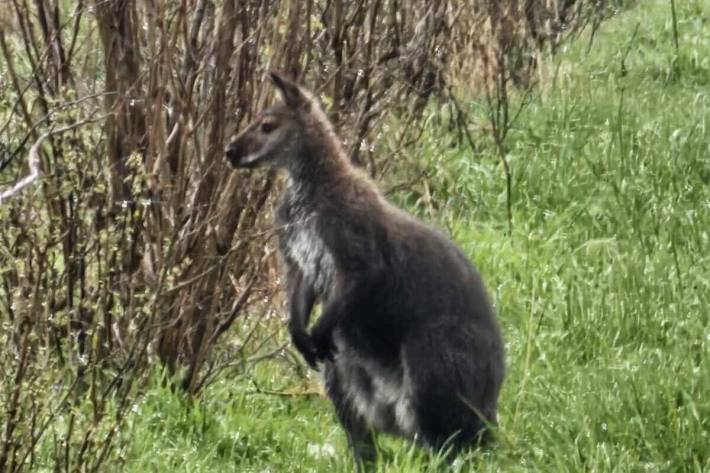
x: 318, y: 169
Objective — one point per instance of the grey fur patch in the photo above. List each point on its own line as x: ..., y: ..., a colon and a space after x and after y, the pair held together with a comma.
x: 380, y: 395
x: 307, y: 249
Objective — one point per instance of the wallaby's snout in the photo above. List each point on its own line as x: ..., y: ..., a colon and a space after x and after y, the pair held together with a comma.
x: 234, y: 152
x: 244, y: 150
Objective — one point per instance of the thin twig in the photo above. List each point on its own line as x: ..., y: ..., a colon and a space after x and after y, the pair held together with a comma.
x: 675, y: 26
x: 33, y: 157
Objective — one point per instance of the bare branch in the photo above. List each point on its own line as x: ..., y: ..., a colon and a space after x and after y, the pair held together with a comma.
x: 33, y: 157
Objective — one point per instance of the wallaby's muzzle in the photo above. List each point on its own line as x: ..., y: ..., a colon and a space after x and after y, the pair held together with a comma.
x: 235, y: 153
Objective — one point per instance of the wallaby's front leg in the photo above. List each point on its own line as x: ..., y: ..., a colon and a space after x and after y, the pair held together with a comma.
x: 301, y: 298
x: 322, y: 333
x: 335, y: 311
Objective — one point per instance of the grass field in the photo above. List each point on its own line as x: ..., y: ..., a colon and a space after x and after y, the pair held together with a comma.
x: 602, y: 290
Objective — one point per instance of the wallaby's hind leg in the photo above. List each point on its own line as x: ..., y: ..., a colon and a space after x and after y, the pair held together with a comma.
x: 360, y: 437
x: 454, y: 387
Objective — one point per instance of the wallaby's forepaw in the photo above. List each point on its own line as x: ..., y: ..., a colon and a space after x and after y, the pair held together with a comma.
x: 304, y: 345
x: 323, y: 341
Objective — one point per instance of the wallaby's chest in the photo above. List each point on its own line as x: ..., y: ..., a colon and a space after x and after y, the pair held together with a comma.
x: 302, y: 244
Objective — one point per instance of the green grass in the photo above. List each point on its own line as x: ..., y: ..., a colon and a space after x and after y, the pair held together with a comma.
x: 602, y: 290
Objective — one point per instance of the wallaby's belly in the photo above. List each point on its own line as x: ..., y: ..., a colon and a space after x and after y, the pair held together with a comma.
x: 381, y: 394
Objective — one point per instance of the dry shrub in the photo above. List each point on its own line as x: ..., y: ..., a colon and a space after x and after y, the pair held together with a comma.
x: 511, y: 34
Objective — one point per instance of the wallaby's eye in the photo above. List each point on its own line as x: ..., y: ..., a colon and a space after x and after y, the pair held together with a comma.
x: 268, y: 127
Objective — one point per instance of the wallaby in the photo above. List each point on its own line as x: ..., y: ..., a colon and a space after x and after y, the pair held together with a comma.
x: 407, y: 337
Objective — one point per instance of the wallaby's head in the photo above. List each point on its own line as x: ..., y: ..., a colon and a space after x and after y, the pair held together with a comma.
x: 281, y: 135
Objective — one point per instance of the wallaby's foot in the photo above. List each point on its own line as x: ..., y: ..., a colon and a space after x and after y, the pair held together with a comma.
x: 322, y: 338
x: 304, y: 345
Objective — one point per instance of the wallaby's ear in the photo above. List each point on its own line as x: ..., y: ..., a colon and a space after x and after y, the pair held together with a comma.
x: 290, y: 92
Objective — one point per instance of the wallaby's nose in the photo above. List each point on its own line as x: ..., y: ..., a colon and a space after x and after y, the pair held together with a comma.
x: 231, y: 152
x: 229, y: 149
